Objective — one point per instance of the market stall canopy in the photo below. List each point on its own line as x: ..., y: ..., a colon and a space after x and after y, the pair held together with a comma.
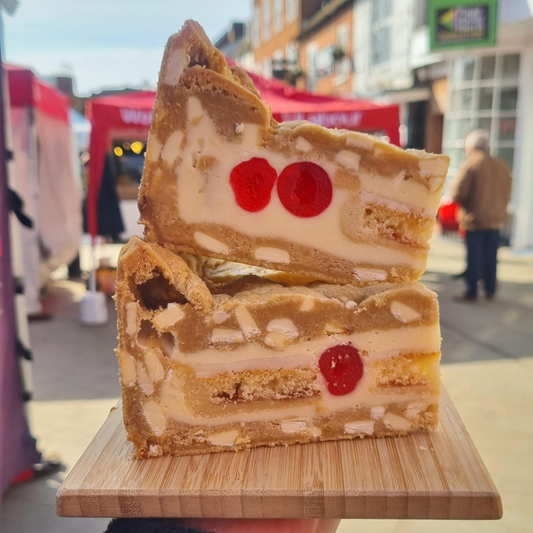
x: 288, y: 103
x: 46, y: 177
x: 122, y: 115
x: 27, y: 90
x: 113, y: 116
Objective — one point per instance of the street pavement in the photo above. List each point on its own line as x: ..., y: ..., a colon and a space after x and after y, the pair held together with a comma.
x: 487, y: 367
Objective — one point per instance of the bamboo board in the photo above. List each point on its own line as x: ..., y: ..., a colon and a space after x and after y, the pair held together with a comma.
x: 433, y: 476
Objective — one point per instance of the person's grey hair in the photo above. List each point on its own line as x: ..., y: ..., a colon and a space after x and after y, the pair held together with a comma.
x: 477, y: 140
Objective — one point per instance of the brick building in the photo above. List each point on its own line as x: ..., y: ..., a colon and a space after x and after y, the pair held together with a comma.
x: 325, y: 49
x: 277, y: 24
x: 235, y: 43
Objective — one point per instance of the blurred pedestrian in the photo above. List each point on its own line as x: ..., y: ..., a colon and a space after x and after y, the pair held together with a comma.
x: 482, y: 188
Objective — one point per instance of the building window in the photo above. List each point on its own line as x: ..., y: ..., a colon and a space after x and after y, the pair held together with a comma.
x: 311, y: 65
x: 266, y: 20
x: 256, y: 33
x: 342, y: 64
x: 278, y: 64
x: 483, y: 95
x: 381, y: 31
x: 278, y: 15
x: 291, y: 10
x: 421, y: 13
x: 291, y: 54
x: 267, y: 67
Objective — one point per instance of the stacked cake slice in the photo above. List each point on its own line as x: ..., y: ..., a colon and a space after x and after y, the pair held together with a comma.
x: 274, y: 299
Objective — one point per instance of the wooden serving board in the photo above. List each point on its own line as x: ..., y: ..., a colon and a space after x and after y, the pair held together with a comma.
x: 438, y: 475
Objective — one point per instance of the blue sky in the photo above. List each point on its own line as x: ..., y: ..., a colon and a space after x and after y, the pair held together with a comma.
x: 107, y: 43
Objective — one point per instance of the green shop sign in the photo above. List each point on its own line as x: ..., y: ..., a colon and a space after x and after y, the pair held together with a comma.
x: 462, y: 24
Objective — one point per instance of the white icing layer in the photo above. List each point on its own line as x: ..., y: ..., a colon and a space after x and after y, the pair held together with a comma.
x: 216, y: 202
x: 432, y: 167
x: 377, y: 344
x: 411, y: 193
x: 435, y: 183
x: 173, y: 398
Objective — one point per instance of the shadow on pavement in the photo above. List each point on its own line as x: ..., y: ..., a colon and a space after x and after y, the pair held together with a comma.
x: 72, y: 361
x: 18, y: 515
x: 484, y: 330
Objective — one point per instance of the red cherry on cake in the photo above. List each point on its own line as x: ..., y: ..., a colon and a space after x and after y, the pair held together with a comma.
x: 342, y: 368
x: 252, y: 183
x: 304, y: 189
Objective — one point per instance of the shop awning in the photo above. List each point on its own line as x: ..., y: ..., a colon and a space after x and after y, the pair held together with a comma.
x: 288, y: 103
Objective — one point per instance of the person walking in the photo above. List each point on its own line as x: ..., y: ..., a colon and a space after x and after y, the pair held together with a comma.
x: 482, y: 188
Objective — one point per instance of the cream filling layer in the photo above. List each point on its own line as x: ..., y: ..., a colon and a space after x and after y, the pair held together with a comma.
x: 377, y: 344
x: 207, y: 197
x: 173, y: 406
x: 410, y: 194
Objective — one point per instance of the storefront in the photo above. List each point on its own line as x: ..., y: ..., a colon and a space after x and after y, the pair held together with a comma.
x: 490, y: 88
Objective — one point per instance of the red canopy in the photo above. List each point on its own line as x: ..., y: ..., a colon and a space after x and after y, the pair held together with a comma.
x: 288, y: 103
x: 26, y: 89
x: 131, y: 113
x: 126, y: 116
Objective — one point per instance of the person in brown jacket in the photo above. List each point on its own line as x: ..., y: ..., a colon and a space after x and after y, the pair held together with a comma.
x: 482, y: 188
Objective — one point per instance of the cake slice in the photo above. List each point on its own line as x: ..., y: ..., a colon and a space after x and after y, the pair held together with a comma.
x: 254, y: 362
x: 222, y: 178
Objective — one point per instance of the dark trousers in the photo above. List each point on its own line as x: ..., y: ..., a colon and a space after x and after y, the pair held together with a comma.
x: 481, y: 258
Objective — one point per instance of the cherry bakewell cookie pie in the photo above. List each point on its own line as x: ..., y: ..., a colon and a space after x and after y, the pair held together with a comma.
x: 273, y: 299
x: 223, y: 179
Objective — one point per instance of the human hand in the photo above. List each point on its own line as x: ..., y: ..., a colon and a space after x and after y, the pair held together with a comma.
x: 214, y: 525
x: 263, y: 526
